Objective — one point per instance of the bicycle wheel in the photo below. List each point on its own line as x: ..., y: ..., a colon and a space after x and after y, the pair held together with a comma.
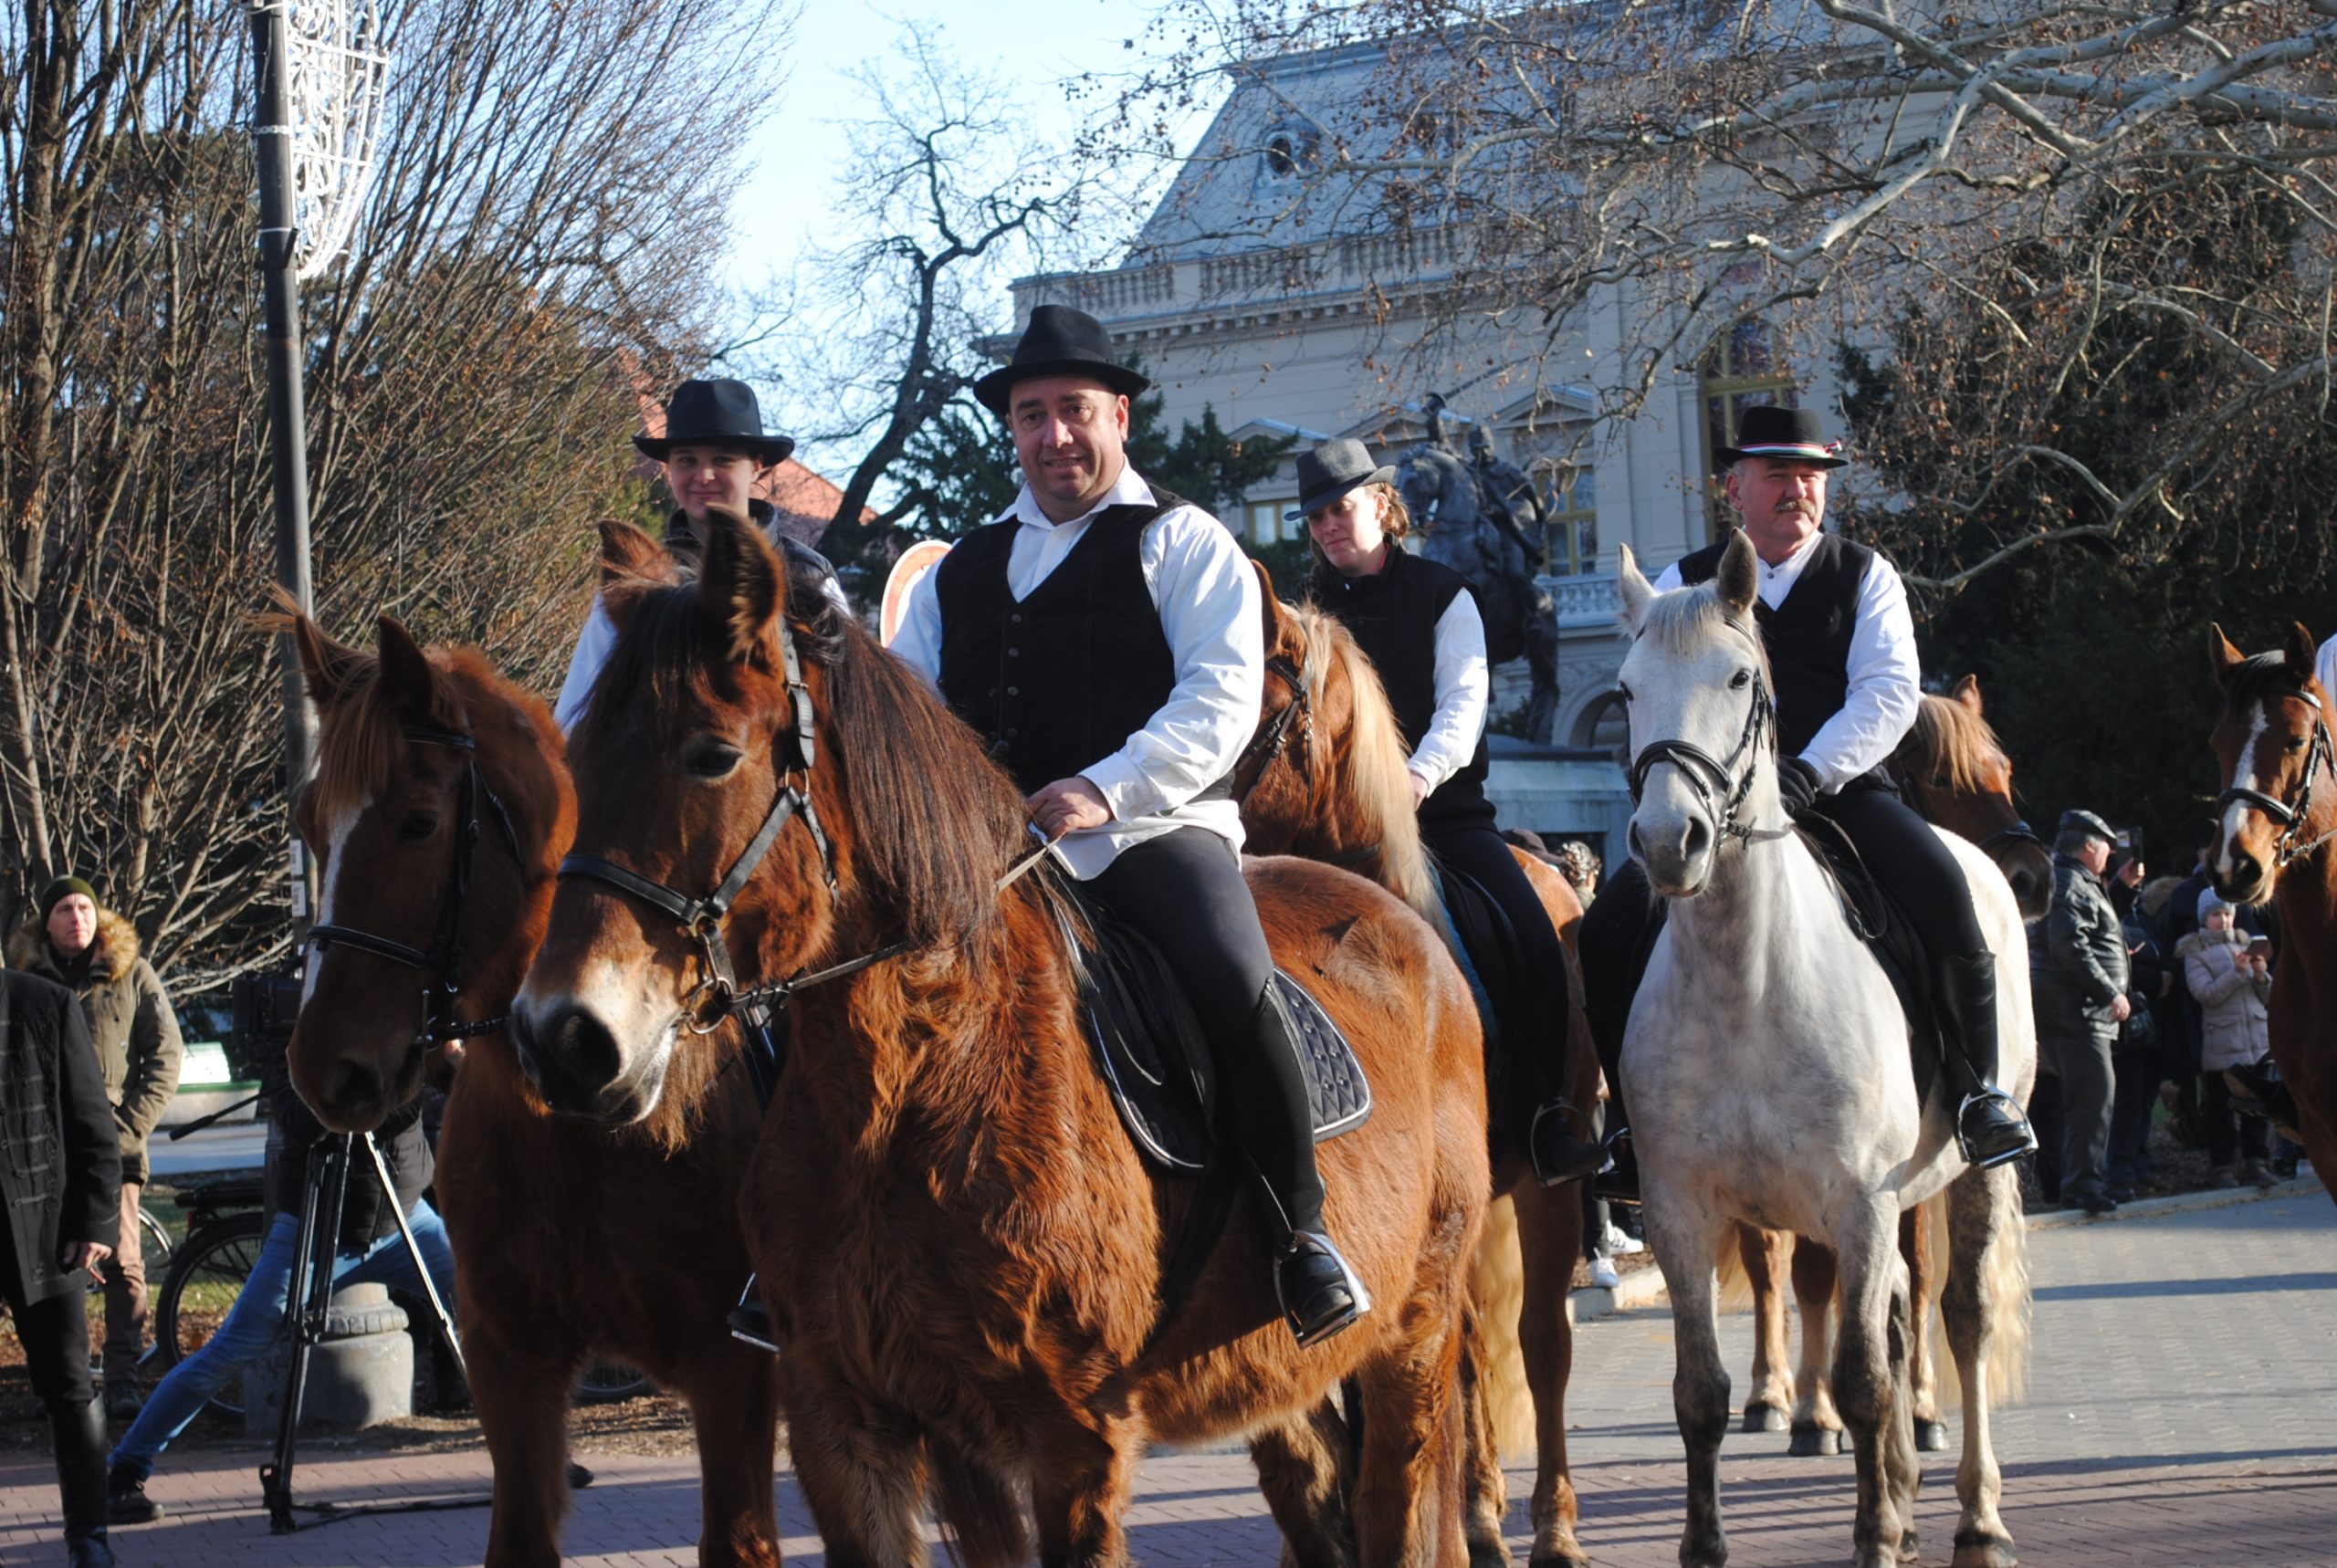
x: 155, y: 1244
x: 207, y: 1273
x: 603, y: 1380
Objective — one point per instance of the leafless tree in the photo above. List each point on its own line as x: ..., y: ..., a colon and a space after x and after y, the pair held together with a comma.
x: 1813, y: 164
x: 525, y: 256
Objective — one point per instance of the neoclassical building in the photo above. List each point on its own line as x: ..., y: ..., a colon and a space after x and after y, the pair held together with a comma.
x: 1238, y: 295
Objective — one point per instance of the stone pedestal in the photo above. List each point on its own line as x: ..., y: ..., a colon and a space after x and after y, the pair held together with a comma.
x: 360, y: 1375
x: 1559, y: 792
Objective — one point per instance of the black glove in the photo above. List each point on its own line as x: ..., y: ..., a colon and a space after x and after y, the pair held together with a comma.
x: 1796, y: 785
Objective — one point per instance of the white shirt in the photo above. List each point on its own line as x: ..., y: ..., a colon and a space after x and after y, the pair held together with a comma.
x: 594, y: 643
x: 1208, y: 599
x: 1886, y: 679
x: 2326, y: 671
x: 1464, y: 682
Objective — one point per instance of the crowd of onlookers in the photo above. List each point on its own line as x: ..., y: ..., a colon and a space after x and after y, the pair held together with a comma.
x: 2147, y: 991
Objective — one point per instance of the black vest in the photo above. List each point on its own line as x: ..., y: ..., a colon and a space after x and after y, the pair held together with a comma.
x: 1393, y: 616
x: 1808, y: 637
x: 1059, y: 681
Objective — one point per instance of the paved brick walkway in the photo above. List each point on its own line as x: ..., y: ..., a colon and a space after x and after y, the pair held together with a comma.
x: 2183, y: 1411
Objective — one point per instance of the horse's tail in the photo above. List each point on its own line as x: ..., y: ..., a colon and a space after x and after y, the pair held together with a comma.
x: 1497, y: 1297
x: 978, y: 1509
x: 2004, y: 1284
x: 1732, y: 1283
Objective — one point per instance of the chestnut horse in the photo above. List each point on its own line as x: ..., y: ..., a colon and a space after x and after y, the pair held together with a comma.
x: 1954, y: 771
x: 441, y: 806
x: 957, y: 1240
x: 2273, y: 838
x: 1330, y: 784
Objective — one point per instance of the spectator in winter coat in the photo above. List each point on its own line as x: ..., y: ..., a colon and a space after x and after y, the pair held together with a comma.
x: 2080, y: 980
x: 93, y: 952
x: 2231, y: 974
x: 2136, y: 1061
x: 58, y: 1167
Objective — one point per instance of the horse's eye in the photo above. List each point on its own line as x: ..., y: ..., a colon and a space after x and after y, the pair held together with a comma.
x: 1739, y: 681
x: 2295, y: 743
x: 1939, y: 780
x: 417, y: 826
x: 709, y: 758
x: 1624, y: 693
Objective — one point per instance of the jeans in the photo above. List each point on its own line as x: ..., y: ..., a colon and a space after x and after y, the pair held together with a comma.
x: 256, y: 1321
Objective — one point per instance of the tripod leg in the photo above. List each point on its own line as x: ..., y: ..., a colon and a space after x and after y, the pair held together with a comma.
x: 414, y: 1251
x: 311, y: 1294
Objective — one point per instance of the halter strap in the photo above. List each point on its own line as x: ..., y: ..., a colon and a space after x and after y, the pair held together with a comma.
x: 1712, y: 777
x: 1274, y: 736
x: 443, y: 961
x: 2292, y: 817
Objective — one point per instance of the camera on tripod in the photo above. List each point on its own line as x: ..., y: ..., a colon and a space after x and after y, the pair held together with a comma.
x: 265, y: 1008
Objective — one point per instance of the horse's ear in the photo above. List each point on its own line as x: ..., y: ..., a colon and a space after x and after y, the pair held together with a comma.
x: 1637, y: 592
x: 1737, y: 580
x: 1271, y: 613
x: 631, y: 562
x: 741, y: 583
x: 2299, y: 653
x: 2222, y: 657
x: 328, y: 668
x: 1967, y: 692
x: 407, y: 678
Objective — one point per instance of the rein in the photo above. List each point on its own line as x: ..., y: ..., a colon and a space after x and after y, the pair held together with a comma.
x: 1271, y: 740
x: 442, y: 963
x: 2293, y: 816
x: 1714, y: 780
x: 719, y: 995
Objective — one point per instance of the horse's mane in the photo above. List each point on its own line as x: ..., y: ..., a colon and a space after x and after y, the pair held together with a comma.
x: 1380, y: 783
x: 2255, y: 677
x: 1949, y: 739
x: 937, y: 820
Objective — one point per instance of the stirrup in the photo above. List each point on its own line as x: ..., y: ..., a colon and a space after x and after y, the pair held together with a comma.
x: 2026, y: 1145
x: 1314, y: 1333
x: 751, y: 1323
x: 1588, y: 1157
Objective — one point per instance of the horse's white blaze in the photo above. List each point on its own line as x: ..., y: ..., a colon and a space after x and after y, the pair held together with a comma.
x: 345, y: 822
x: 2243, y: 777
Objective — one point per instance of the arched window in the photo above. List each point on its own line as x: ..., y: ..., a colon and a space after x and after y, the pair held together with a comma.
x: 1290, y: 152
x: 1605, y: 723
x: 1744, y: 370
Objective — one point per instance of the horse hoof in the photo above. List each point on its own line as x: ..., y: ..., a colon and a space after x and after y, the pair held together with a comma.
x: 1930, y: 1437
x: 1811, y: 1442
x: 1980, y: 1549
x: 1908, y: 1550
x: 1762, y: 1417
x: 1489, y: 1554
x: 1558, y: 1560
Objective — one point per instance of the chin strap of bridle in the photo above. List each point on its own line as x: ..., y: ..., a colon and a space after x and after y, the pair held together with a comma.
x: 442, y: 962
x: 2293, y: 816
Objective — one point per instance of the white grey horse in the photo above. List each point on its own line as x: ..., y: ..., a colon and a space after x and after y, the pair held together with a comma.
x: 1766, y: 1065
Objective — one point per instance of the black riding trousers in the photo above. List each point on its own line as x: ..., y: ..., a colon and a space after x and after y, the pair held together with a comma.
x: 1482, y: 855
x: 1185, y: 893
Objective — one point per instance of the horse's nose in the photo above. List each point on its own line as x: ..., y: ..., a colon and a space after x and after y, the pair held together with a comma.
x: 2246, y: 872
x: 569, y: 1053
x: 356, y: 1091
x: 1694, y: 841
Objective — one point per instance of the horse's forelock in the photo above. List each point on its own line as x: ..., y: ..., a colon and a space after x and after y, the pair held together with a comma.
x: 362, y: 732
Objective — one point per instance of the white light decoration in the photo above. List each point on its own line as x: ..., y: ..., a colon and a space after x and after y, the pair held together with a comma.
x: 335, y: 82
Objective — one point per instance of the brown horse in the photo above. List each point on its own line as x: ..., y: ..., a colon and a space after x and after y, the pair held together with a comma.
x: 957, y: 1240
x: 1954, y: 772
x: 2273, y: 845
x: 1331, y: 785
x: 570, y: 1239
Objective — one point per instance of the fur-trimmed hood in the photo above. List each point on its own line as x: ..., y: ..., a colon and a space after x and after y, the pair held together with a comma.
x: 115, y: 949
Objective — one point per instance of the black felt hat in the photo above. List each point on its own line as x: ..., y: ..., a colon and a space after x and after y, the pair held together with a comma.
x: 1331, y: 470
x: 1059, y: 342
x: 716, y: 413
x: 1793, y: 434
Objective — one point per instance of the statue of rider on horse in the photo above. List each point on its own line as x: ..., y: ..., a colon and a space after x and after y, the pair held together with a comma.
x: 1468, y: 516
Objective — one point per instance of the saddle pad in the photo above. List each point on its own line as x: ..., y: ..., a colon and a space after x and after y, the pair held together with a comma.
x: 1149, y: 1049
x: 1881, y: 920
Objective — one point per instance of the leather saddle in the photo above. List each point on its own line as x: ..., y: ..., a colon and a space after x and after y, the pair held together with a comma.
x: 1152, y: 1057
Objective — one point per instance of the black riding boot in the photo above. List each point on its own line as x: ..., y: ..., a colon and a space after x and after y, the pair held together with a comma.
x: 1320, y: 1294
x: 78, y: 1434
x: 1561, y: 1140
x: 1989, y: 1126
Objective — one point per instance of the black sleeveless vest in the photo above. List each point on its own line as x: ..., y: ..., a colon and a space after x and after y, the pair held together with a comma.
x: 1393, y: 616
x: 1808, y: 636
x: 1059, y: 681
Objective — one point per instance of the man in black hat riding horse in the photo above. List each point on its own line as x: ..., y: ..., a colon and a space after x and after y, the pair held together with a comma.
x: 714, y: 454
x: 1841, y: 647
x: 1105, y: 638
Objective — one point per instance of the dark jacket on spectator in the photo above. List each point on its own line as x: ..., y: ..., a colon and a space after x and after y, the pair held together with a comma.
x: 295, y: 1137
x: 61, y: 1163
x: 2081, y: 968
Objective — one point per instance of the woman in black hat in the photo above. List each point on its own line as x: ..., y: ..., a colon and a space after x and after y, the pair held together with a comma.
x: 1418, y: 619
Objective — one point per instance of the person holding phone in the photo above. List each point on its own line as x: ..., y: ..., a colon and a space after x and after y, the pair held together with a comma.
x: 2231, y: 975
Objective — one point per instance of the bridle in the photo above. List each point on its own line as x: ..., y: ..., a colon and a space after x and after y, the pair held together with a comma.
x: 2292, y: 816
x: 1274, y: 737
x: 1715, y: 780
x: 718, y: 994
x: 442, y: 963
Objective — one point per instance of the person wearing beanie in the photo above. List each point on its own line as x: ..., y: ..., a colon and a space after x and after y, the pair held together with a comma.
x: 2231, y: 977
x: 60, y: 1163
x: 93, y: 952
